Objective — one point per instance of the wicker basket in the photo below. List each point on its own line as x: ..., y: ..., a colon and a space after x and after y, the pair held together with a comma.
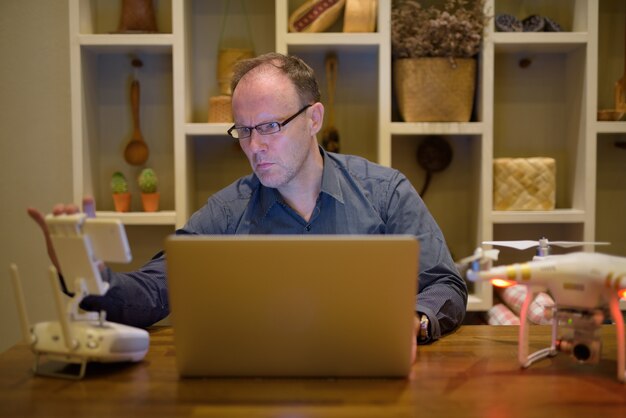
x: 434, y: 90
x: 226, y: 59
x: 524, y: 183
x: 360, y: 16
x: 219, y: 109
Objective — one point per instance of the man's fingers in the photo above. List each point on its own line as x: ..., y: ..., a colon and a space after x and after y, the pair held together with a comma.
x: 58, y: 209
x: 37, y: 217
x: 65, y: 209
x: 71, y: 209
x: 40, y: 220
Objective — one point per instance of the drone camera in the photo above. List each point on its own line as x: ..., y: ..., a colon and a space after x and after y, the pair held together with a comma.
x: 582, y: 350
x: 582, y: 340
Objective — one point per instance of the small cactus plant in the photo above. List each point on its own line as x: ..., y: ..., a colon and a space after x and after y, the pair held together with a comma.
x: 147, y: 181
x: 119, y: 187
x: 119, y: 183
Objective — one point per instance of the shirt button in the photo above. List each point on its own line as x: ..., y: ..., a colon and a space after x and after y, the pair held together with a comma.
x: 307, y: 228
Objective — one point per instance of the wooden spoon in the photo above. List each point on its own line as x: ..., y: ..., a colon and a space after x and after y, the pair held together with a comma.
x: 136, y: 152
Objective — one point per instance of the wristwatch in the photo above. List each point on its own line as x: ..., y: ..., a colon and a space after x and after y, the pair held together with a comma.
x: 424, y: 334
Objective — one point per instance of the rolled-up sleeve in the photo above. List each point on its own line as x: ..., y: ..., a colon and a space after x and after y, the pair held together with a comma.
x: 137, y: 298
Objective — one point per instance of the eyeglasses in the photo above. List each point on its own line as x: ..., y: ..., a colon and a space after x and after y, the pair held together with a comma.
x: 267, y: 128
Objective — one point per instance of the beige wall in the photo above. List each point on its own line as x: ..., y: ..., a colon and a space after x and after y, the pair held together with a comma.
x: 35, y: 146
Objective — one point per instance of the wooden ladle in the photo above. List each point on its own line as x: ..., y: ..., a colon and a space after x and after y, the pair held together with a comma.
x: 136, y: 152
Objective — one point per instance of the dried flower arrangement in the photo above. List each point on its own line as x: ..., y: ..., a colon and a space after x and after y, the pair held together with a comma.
x: 453, y: 29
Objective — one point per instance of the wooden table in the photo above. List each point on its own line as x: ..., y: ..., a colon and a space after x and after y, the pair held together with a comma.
x: 473, y: 372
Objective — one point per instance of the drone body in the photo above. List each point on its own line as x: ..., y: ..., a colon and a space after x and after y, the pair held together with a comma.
x: 584, y: 286
x: 578, y: 280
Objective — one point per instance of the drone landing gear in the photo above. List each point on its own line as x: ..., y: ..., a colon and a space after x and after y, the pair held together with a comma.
x: 64, y: 368
x: 539, y: 355
x: 616, y: 314
x: 524, y: 358
x: 581, y: 337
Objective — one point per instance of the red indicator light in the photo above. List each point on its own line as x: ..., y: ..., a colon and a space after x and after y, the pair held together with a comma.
x: 502, y: 282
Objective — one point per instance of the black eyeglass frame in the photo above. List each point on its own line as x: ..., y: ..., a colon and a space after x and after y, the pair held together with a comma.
x: 279, y: 125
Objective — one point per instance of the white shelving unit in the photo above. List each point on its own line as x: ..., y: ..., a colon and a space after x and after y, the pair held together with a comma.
x: 547, y: 108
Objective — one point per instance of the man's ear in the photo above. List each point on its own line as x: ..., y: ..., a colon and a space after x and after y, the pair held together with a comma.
x: 316, y: 112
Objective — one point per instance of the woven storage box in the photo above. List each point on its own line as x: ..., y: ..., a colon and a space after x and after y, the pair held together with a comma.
x: 524, y: 183
x: 219, y: 109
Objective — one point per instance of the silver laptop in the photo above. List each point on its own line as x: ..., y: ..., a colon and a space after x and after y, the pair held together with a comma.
x: 293, y: 306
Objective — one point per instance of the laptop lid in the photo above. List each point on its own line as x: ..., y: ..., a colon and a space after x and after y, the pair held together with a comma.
x: 293, y: 306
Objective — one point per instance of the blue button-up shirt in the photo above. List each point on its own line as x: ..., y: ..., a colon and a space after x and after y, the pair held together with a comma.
x: 357, y: 197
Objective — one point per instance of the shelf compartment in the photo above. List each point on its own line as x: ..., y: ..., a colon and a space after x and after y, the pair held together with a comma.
x: 540, y: 111
x: 103, y: 16
x: 611, y: 194
x: 214, y: 163
x: 571, y: 15
x: 452, y: 197
x: 460, y: 182
x: 107, y: 127
x: 356, y: 107
x: 611, y: 47
x: 204, y: 37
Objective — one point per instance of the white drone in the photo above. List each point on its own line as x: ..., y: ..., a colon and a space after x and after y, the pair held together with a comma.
x: 583, y: 285
x: 81, y: 244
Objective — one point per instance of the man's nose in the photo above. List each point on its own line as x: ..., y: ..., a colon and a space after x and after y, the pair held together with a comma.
x: 258, y: 142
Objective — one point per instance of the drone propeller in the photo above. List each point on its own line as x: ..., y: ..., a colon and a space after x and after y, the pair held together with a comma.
x: 479, y: 255
x: 526, y: 244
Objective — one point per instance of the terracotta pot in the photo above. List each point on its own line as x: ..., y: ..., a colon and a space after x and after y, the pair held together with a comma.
x: 121, y: 202
x: 150, y: 201
x: 434, y: 89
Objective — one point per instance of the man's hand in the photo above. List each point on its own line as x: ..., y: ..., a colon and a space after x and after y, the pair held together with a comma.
x: 89, y: 207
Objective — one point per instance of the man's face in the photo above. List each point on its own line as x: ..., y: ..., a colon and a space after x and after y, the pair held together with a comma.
x: 269, y: 96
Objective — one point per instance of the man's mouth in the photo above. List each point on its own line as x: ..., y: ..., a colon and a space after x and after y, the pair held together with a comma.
x: 263, y: 165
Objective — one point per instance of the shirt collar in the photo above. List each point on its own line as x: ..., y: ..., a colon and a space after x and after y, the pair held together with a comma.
x: 268, y: 196
x: 330, y: 178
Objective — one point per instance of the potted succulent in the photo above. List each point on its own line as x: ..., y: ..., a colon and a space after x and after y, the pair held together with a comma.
x: 434, y: 48
x: 148, y: 185
x: 119, y: 188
